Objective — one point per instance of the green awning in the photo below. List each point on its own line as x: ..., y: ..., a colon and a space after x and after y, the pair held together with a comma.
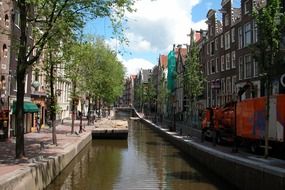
x: 29, y: 107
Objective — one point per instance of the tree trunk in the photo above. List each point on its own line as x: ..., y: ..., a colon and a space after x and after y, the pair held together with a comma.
x: 89, y: 111
x: 21, y: 75
x: 73, y: 106
x: 72, y: 117
x: 53, y: 100
x: 19, y: 121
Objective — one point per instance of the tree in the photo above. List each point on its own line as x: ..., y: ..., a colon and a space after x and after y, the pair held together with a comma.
x: 50, y: 17
x: 270, y: 24
x: 193, y: 76
x: 162, y: 94
x: 73, y: 71
x: 101, y: 73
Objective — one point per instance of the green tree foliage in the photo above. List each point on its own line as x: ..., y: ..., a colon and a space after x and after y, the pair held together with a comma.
x: 103, y: 73
x: 162, y: 95
x: 270, y: 24
x: 95, y: 71
x: 48, y: 18
x: 193, y: 76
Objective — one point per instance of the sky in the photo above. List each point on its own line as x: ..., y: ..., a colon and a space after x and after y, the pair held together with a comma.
x: 154, y: 28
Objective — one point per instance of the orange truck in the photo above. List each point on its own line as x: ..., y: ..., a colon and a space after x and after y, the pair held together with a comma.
x: 247, y: 121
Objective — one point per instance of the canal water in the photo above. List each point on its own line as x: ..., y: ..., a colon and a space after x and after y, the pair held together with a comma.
x: 143, y: 162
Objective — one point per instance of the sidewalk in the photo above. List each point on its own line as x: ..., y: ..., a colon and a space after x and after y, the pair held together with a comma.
x: 38, y: 146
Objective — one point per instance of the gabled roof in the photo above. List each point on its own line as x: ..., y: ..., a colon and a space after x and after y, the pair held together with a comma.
x: 224, y: 2
x: 183, y: 54
x: 133, y: 77
x: 197, y: 36
x: 163, y: 61
x: 210, y: 13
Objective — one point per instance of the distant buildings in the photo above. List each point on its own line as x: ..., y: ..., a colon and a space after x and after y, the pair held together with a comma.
x: 226, y: 60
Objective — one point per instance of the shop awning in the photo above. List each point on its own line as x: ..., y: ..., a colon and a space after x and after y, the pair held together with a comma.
x: 29, y: 107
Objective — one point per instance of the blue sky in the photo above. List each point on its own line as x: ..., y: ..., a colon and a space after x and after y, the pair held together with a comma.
x: 154, y: 28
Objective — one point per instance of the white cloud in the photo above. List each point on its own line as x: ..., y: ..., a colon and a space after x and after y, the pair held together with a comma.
x: 155, y: 27
x: 135, y: 64
x: 158, y: 24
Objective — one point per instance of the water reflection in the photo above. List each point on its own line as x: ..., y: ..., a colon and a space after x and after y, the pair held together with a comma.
x: 145, y: 161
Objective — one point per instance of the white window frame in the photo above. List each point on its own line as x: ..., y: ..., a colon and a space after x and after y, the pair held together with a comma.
x: 222, y: 41
x: 247, y: 34
x: 228, y: 85
x: 26, y: 84
x: 222, y: 63
x: 227, y: 40
x: 233, y: 59
x: 212, y: 48
x: 217, y: 65
x: 228, y: 61
x: 212, y: 63
x: 211, y: 30
x: 223, y: 85
x: 247, y: 66
x: 254, y: 32
x: 240, y: 38
x: 234, y: 80
x: 241, y: 72
x: 227, y: 19
x: 208, y: 44
x: 255, y: 68
x: 216, y: 44
x: 17, y: 18
x: 208, y: 68
x: 246, y: 8
x: 233, y: 35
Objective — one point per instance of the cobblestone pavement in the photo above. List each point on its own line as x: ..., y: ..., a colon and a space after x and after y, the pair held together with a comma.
x: 38, y: 145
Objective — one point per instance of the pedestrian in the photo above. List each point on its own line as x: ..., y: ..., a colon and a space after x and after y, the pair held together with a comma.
x: 38, y: 124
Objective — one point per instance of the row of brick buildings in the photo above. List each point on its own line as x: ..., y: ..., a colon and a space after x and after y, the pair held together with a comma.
x: 226, y: 58
x: 35, y: 84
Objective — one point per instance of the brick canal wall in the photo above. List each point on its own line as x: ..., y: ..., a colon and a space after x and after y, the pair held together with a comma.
x: 242, y: 172
x: 39, y: 174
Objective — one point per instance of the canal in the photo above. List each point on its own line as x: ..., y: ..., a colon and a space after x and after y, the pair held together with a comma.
x: 144, y: 161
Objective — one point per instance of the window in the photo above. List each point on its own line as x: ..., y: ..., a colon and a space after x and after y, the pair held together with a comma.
x: 247, y: 34
x: 222, y: 63
x: 233, y: 59
x: 241, y: 72
x: 227, y: 19
x: 7, y: 23
x: 228, y: 85
x: 216, y: 44
x: 254, y: 32
x: 227, y: 40
x: 222, y: 41
x: 208, y: 49
x: 223, y: 85
x: 228, y: 61
x: 246, y: 7
x: 5, y: 51
x: 208, y: 68
x: 17, y: 18
x: 234, y: 79
x: 213, y: 66
x: 247, y: 66
x: 240, y: 42
x: 26, y: 84
x: 211, y: 30
x: 255, y: 68
x: 217, y: 64
x: 233, y: 34
x: 212, y: 46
